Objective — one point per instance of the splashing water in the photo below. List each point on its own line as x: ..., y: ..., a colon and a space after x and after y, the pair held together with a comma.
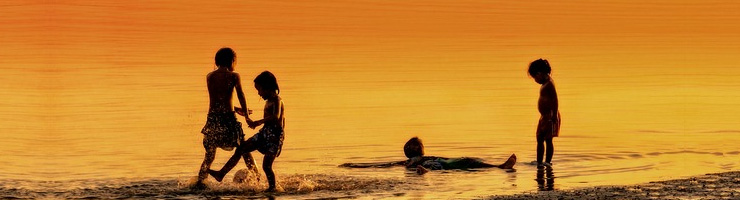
x: 317, y: 185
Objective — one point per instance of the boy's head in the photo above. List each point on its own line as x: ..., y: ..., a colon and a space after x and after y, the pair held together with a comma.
x: 265, y: 83
x: 413, y: 148
x: 539, y: 70
x: 225, y: 57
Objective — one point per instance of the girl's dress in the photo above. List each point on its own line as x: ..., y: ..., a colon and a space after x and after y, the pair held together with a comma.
x: 222, y: 131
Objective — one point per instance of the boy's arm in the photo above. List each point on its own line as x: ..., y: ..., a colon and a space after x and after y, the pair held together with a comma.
x: 553, y: 96
x: 240, y: 96
x: 551, y: 102
x: 273, y: 114
x: 551, y: 106
x: 413, y: 162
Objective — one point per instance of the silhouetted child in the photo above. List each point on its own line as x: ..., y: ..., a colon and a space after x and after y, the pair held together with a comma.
x: 222, y: 130
x: 549, y: 123
x: 269, y: 139
x: 414, y: 151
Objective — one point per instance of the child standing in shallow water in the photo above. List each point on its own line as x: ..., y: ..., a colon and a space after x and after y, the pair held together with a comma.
x: 549, y: 124
x: 222, y: 130
x: 269, y: 139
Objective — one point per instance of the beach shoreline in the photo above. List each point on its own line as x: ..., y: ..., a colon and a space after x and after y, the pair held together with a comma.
x: 725, y: 185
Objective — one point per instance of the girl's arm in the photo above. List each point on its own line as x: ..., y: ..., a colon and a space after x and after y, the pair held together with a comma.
x: 240, y: 96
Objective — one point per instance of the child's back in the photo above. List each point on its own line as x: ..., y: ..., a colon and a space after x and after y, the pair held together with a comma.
x: 222, y: 129
x: 220, y: 89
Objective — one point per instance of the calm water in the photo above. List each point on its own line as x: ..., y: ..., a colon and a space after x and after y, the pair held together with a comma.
x: 107, y: 100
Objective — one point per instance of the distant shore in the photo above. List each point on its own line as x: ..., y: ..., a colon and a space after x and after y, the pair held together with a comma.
x: 724, y: 185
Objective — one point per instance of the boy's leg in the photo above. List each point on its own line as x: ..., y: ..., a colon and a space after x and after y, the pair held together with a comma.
x: 550, y: 150
x: 267, y: 167
x: 540, y: 149
x: 509, y: 163
x: 206, y: 165
x: 473, y: 163
x: 245, y: 147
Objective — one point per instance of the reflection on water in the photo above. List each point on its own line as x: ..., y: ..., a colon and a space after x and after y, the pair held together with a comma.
x: 545, y: 179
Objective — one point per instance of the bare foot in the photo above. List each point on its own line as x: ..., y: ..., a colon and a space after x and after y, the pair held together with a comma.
x: 540, y: 166
x: 509, y: 164
x: 199, y: 186
x: 216, y: 174
x: 271, y: 189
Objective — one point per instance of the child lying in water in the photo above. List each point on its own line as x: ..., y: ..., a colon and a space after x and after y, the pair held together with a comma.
x: 414, y: 151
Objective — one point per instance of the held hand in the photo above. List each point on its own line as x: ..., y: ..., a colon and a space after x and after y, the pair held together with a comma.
x: 241, y: 112
x: 251, y: 123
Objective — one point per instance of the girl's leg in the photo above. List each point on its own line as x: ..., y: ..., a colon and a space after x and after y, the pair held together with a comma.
x: 550, y: 150
x: 267, y: 167
x: 206, y: 165
x: 540, y: 149
x: 245, y: 147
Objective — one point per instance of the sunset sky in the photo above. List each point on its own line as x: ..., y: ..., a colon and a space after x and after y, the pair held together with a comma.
x: 79, y: 30
x: 593, y: 44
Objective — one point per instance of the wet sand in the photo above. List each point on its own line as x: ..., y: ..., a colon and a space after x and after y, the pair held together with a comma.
x: 710, y: 186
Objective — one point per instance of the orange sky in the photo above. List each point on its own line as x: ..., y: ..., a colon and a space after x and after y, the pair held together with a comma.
x: 620, y: 38
x: 59, y: 26
x: 594, y: 44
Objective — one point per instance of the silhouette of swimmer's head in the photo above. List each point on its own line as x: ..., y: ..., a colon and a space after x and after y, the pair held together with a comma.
x: 225, y: 58
x: 539, y: 70
x: 413, y: 148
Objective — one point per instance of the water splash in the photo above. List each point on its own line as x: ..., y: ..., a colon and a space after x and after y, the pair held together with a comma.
x: 299, y: 184
x: 181, y: 188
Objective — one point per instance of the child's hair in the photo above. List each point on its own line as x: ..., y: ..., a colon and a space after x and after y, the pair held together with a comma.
x: 225, y: 57
x: 539, y: 65
x: 413, y: 148
x: 267, y: 81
